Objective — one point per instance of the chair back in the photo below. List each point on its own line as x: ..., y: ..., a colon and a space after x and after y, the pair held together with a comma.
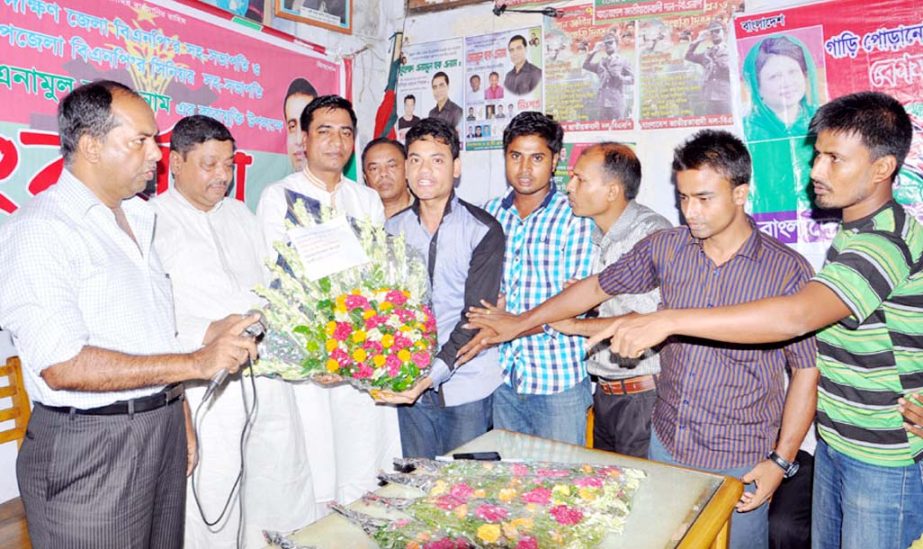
x: 17, y: 410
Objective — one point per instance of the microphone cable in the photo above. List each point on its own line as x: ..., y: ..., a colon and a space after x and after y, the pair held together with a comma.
x: 249, y: 415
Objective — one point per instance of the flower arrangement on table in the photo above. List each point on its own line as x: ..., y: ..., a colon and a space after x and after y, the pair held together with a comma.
x: 368, y: 325
x: 520, y: 506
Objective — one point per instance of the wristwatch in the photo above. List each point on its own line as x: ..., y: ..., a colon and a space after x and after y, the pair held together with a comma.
x: 789, y: 467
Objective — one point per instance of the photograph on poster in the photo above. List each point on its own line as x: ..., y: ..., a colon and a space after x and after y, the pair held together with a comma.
x: 335, y: 15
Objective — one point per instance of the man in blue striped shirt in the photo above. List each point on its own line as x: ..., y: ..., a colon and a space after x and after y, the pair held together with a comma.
x: 719, y: 407
x: 546, y: 390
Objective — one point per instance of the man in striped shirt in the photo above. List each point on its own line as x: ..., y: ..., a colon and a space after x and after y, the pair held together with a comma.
x: 546, y: 390
x: 719, y: 407
x: 867, y: 303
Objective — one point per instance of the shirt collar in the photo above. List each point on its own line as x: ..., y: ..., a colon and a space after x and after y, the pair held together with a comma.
x: 453, y: 199
x: 78, y: 198
x: 507, y: 201
x: 313, y: 180
x: 621, y: 227
x: 174, y: 194
x: 749, y: 249
x: 867, y: 220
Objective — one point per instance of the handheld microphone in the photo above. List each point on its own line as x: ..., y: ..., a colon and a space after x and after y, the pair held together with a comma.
x: 254, y: 330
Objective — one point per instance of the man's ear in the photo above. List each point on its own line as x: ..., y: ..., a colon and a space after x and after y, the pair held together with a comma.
x: 456, y: 168
x: 176, y: 161
x: 884, y: 169
x: 90, y: 148
x: 741, y: 192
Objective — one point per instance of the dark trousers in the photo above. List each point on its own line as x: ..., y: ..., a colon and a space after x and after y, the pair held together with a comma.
x: 429, y: 429
x: 790, y: 509
x: 623, y: 422
x: 100, y: 482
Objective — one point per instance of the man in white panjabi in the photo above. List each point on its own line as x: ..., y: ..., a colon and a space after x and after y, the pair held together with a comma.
x: 213, y: 248
x: 350, y: 438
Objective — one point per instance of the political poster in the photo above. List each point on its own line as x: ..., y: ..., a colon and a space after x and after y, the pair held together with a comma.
x: 503, y: 74
x: 431, y: 84
x: 179, y: 59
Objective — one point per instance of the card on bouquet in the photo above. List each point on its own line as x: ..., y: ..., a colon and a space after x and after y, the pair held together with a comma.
x: 327, y: 248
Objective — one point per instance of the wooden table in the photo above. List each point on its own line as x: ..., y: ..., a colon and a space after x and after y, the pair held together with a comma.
x: 674, y: 507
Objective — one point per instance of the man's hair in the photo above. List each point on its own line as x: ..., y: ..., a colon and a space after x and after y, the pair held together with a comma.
x: 330, y: 102
x: 534, y: 123
x: 195, y: 130
x: 878, y: 119
x: 88, y: 111
x: 493, y: 73
x: 620, y: 163
x: 299, y: 86
x: 518, y: 37
x: 473, y: 76
x: 442, y: 74
x: 439, y: 130
x: 411, y: 97
x: 383, y: 141
x: 719, y: 150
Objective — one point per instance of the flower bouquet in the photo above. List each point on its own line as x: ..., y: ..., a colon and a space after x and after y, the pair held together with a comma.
x: 368, y: 325
x: 518, y: 505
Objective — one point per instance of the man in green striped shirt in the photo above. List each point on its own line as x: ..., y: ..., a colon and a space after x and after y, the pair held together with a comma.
x: 866, y: 305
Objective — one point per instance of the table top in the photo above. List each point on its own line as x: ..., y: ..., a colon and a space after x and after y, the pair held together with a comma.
x: 668, y: 501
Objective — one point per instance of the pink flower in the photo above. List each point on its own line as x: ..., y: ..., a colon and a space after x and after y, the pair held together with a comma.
x: 354, y: 301
x: 393, y: 369
x: 430, y: 323
x: 566, y: 515
x: 373, y: 347
x: 448, y: 502
x: 342, y: 331
x: 519, y: 470
x: 537, y: 495
x: 491, y: 513
x: 364, y: 371
x: 373, y: 322
x: 340, y: 356
x: 391, y: 361
x: 461, y: 490
x: 400, y: 523
x: 527, y: 542
x: 396, y: 297
x: 444, y: 543
x: 405, y: 315
x: 586, y: 482
x: 401, y: 342
x: 421, y: 359
x: 551, y: 473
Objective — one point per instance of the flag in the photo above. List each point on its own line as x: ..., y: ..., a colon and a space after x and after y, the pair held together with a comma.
x: 386, y: 115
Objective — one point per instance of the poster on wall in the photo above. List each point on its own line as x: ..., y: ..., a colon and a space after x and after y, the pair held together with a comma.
x: 431, y: 84
x: 251, y: 9
x: 335, y: 15
x: 590, y: 71
x: 503, y: 74
x: 608, y: 11
x: 180, y: 60
x: 793, y: 61
x: 684, y: 66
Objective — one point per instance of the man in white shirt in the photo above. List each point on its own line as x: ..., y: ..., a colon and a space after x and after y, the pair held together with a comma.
x: 212, y: 248
x: 91, y: 314
x: 349, y: 437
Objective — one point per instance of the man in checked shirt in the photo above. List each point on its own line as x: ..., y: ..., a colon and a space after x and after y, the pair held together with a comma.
x: 719, y: 407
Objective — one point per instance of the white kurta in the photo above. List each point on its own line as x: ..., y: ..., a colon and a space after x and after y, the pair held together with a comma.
x: 214, y: 258
x: 350, y: 438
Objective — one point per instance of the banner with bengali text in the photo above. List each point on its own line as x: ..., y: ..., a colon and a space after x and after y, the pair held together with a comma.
x: 181, y: 60
x: 793, y: 61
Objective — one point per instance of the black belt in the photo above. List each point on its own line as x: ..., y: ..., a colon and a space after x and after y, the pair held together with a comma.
x: 168, y: 395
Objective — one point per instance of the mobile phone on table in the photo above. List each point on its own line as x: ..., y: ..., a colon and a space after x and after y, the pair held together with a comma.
x: 478, y: 456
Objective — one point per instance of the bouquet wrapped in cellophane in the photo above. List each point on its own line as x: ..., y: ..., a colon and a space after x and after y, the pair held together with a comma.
x: 369, y: 325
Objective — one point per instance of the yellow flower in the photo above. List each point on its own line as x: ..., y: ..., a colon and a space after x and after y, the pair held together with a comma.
x: 330, y: 344
x: 359, y: 355
x: 461, y: 511
x: 405, y: 328
x: 387, y: 341
x: 368, y: 313
x: 340, y: 305
x: 385, y: 306
x: 489, y: 533
x: 330, y: 328
x: 332, y: 366
x: 586, y: 493
x: 378, y: 361
x: 439, y: 488
x: 421, y: 344
x: 507, y: 495
x: 479, y: 493
x: 560, y: 490
x: 522, y: 522
x: 359, y: 336
x: 404, y: 355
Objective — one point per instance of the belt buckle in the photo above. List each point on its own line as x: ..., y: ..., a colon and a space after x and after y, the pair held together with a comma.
x: 174, y: 392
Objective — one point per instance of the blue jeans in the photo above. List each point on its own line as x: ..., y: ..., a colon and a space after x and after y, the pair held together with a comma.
x: 429, y: 429
x: 749, y: 530
x: 858, y: 505
x: 561, y: 416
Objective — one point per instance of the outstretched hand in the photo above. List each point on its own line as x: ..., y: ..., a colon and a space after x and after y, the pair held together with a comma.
x: 632, y: 335
x: 494, y: 318
x: 404, y: 397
